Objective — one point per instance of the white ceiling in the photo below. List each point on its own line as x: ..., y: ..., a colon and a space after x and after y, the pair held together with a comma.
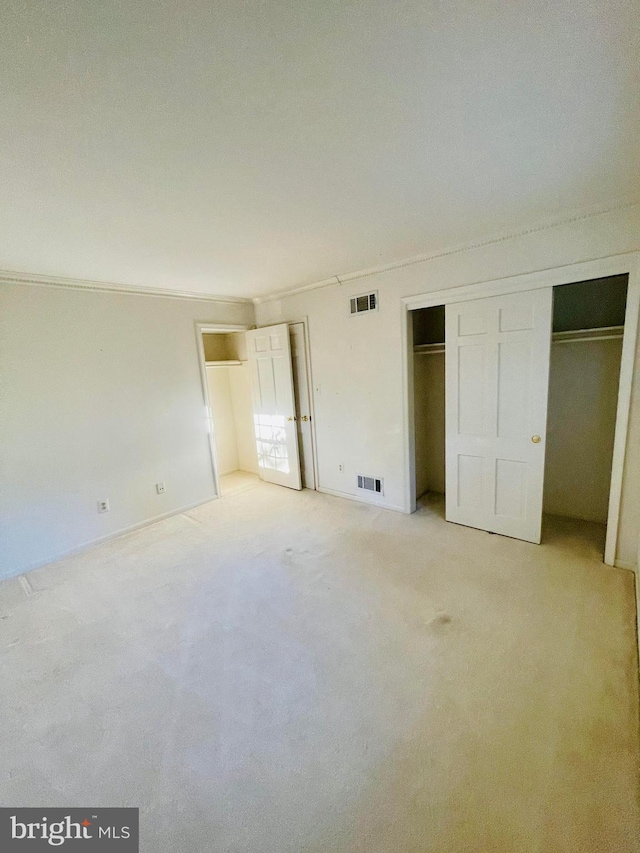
x: 238, y: 148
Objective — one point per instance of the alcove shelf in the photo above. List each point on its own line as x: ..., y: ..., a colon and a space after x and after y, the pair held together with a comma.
x: 428, y: 349
x: 224, y: 349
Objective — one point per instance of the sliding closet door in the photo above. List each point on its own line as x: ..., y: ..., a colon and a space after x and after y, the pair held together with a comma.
x: 274, y: 405
x: 497, y: 376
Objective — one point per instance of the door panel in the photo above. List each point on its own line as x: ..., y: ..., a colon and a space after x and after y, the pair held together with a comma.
x: 471, y: 390
x: 301, y: 385
x: 274, y: 406
x: 497, y: 375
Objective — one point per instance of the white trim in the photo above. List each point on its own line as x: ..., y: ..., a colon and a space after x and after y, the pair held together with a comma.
x: 224, y: 328
x: 116, y: 534
x: 624, y: 264
x: 7, y: 277
x: 337, y: 280
x: 229, y: 363
x: 208, y: 328
x: 622, y: 564
x: 408, y: 413
x: 629, y: 341
x: 361, y: 500
x: 569, y: 274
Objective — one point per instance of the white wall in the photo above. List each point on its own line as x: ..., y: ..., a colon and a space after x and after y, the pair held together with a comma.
x: 224, y: 424
x: 232, y: 410
x: 238, y: 346
x: 428, y: 381
x: 583, y: 395
x: 242, y: 401
x: 357, y: 361
x: 102, y: 398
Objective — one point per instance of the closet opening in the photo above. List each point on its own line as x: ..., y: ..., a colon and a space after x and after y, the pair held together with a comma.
x: 230, y: 400
x: 257, y: 385
x: 429, y: 404
x: 584, y: 374
x: 588, y: 320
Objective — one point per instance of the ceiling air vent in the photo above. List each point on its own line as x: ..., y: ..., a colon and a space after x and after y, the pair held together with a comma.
x: 371, y: 484
x: 366, y: 302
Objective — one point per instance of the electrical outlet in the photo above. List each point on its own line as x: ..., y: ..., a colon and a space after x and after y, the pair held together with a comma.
x: 160, y: 488
x: 340, y: 467
x: 103, y: 506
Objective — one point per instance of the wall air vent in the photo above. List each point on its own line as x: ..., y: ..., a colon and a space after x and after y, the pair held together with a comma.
x: 371, y: 484
x: 366, y: 302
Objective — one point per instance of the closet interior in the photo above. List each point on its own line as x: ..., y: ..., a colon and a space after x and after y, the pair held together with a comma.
x: 230, y: 398
x: 586, y: 351
x: 429, y: 399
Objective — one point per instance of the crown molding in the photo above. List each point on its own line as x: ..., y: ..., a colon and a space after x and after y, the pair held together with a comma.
x: 8, y: 277
x: 337, y: 280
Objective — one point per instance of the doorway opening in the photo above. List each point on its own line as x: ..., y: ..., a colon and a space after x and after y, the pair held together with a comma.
x: 584, y: 378
x: 230, y: 400
x: 429, y: 404
x: 257, y: 385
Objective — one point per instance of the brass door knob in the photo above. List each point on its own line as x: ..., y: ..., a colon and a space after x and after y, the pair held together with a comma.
x: 536, y: 439
x: 305, y: 418
x: 291, y: 419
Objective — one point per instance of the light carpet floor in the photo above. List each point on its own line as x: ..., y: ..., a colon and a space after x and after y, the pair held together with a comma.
x: 279, y: 672
x: 238, y: 481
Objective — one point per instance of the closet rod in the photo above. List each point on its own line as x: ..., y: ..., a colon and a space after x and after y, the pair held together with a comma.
x: 606, y: 333
x: 428, y: 349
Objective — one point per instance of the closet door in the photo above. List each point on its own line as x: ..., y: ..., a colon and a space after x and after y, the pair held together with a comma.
x: 497, y: 377
x: 274, y: 405
x: 303, y: 402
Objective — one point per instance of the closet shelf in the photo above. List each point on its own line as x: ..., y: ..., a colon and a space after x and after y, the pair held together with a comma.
x: 227, y: 363
x: 428, y: 349
x: 606, y: 333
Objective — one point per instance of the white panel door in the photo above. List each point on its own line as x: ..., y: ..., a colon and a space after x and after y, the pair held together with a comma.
x: 497, y: 378
x: 303, y: 402
x: 274, y: 405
